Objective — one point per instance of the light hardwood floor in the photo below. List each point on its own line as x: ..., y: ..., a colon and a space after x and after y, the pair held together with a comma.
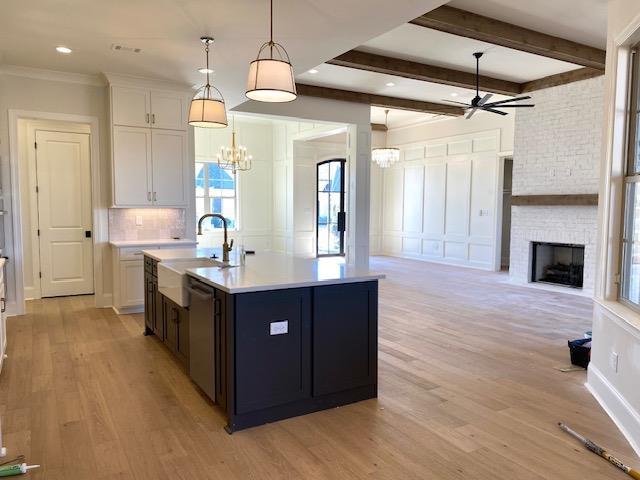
x: 468, y: 390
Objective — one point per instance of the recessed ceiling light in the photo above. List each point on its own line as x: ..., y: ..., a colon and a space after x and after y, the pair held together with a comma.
x: 313, y: 71
x: 205, y: 70
x: 61, y: 49
x: 390, y: 84
x: 454, y: 94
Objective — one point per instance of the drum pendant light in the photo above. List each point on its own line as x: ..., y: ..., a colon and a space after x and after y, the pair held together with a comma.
x: 271, y: 74
x: 207, y: 106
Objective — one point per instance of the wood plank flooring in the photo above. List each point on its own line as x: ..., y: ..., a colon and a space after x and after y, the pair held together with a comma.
x: 468, y: 390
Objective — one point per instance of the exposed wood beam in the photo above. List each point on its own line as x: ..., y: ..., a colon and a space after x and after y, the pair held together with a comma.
x: 379, y: 100
x: 561, y: 79
x: 470, y: 25
x: 419, y: 71
x: 378, y: 127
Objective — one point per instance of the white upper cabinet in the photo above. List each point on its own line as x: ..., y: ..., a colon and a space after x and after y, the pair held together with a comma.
x: 150, y: 154
x: 168, y: 111
x: 131, y: 166
x: 139, y: 107
x: 131, y: 107
x: 170, y: 167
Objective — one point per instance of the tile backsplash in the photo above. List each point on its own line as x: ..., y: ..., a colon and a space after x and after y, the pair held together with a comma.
x: 156, y: 223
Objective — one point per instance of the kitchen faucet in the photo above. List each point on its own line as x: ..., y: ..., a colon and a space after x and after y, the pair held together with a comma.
x: 226, y: 247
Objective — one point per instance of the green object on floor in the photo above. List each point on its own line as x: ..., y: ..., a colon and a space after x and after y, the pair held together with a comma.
x: 19, y: 469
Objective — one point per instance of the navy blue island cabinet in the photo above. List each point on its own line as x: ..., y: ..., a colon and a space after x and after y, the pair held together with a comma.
x: 270, y: 355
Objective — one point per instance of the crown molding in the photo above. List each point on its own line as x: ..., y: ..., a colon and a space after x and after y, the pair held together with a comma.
x: 124, y: 80
x: 52, y: 75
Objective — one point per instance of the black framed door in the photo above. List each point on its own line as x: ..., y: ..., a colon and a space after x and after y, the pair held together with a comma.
x: 330, y: 214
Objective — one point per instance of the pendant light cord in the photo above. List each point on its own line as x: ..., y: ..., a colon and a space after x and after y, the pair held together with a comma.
x: 271, y: 28
x: 206, y: 49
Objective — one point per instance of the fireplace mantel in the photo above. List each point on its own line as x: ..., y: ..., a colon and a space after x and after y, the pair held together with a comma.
x: 588, y: 199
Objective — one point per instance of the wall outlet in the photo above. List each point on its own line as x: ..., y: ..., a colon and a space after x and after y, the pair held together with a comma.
x: 138, y: 220
x: 279, y: 328
x: 613, y: 361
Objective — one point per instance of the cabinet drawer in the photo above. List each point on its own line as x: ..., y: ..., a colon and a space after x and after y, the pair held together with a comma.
x: 272, y: 368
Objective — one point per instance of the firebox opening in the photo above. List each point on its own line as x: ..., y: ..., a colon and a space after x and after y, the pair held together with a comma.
x: 557, y: 263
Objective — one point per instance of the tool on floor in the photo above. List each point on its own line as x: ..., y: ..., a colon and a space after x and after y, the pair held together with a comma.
x: 589, y: 445
x: 18, y: 469
x: 18, y: 459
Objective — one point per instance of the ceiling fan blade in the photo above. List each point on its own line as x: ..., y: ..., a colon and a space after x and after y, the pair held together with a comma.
x: 508, y: 100
x: 452, y: 101
x: 510, y: 106
x: 495, y: 111
x: 484, y: 99
x: 471, y: 112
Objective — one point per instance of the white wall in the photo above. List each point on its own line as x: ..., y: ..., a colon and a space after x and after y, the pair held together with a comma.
x: 616, y: 328
x: 18, y: 92
x: 442, y: 201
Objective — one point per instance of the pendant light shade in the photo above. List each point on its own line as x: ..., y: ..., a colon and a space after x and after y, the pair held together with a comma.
x: 271, y: 73
x: 207, y: 106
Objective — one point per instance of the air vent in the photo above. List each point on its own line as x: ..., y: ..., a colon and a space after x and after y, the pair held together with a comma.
x: 124, y: 48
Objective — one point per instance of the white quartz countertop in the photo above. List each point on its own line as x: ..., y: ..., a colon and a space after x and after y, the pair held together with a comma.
x: 160, y: 242
x: 168, y: 254
x: 274, y: 271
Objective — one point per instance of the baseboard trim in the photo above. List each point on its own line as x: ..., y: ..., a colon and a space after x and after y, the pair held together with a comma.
x: 625, y: 417
x: 128, y: 310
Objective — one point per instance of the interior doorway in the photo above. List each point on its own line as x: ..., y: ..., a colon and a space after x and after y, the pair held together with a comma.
x: 64, y: 213
x: 506, y: 213
x: 330, y: 216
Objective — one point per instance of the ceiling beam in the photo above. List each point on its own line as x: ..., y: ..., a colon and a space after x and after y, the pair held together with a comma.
x: 379, y: 100
x: 378, y: 127
x: 371, y: 62
x: 471, y: 25
x: 560, y: 79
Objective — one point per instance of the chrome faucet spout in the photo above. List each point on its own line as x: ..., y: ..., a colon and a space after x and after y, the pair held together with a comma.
x: 226, y: 247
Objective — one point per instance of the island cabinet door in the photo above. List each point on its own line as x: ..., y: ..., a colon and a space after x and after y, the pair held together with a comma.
x: 158, y: 310
x: 345, y: 332
x: 148, y: 302
x: 272, y: 348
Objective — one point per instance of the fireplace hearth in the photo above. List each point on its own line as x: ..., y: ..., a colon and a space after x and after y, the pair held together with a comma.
x: 557, y: 263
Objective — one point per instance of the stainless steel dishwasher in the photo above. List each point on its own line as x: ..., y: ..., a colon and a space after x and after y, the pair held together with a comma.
x: 202, y: 351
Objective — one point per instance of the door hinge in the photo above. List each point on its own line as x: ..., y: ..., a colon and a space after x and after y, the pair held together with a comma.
x: 38, y: 232
x: 37, y: 189
x: 35, y: 145
x: 40, y: 273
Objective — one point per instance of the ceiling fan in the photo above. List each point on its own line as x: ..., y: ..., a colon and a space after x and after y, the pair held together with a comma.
x: 480, y: 103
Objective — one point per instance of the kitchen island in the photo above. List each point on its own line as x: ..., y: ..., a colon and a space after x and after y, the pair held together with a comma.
x: 276, y: 337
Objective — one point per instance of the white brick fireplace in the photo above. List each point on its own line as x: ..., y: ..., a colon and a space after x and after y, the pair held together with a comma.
x: 557, y: 152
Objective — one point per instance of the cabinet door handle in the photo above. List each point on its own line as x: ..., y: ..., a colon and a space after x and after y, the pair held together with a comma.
x: 200, y: 294
x: 147, y: 118
x: 149, y: 196
x: 155, y: 197
x: 4, y: 305
x: 153, y: 118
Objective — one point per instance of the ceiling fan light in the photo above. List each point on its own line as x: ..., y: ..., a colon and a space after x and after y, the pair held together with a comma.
x: 271, y: 80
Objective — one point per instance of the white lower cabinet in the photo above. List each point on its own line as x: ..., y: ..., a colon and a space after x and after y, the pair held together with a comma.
x: 128, y: 279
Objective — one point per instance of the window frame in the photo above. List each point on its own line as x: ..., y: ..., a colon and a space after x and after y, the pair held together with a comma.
x: 631, y: 171
x: 207, y: 198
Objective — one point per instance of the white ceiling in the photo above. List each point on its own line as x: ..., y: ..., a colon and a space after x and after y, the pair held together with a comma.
x: 167, y: 31
x: 401, y: 118
x: 583, y: 21
x: 419, y: 44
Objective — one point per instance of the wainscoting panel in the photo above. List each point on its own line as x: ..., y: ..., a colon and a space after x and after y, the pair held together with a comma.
x: 444, y: 207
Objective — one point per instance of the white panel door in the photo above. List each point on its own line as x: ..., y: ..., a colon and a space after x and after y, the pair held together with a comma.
x: 169, y: 154
x: 131, y: 107
x: 168, y: 111
x: 63, y: 169
x: 131, y: 166
x: 412, y: 211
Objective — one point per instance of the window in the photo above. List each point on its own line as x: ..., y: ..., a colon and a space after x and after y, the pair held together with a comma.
x: 330, y: 219
x: 215, y: 193
x: 630, y: 290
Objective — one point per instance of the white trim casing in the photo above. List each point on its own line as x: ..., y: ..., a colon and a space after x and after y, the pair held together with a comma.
x: 100, y: 216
